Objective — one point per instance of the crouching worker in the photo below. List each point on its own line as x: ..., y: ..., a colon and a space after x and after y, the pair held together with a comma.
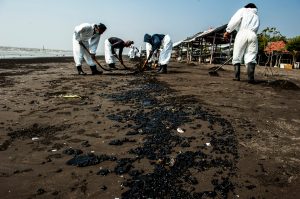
x: 157, y: 41
x: 86, y: 38
x: 110, y: 45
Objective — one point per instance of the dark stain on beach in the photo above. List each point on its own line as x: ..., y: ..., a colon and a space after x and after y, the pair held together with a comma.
x: 89, y: 159
x: 45, y: 134
x: 6, y: 82
x: 177, y: 166
x: 282, y: 84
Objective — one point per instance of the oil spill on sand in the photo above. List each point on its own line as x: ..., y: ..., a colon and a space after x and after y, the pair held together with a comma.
x: 177, y: 167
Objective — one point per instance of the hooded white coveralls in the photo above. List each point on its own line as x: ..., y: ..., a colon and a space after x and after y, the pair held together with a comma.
x: 85, y: 33
x: 165, y: 53
x: 131, y: 53
x: 246, y: 22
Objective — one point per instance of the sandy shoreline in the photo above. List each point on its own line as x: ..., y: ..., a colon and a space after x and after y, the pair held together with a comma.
x: 119, y: 136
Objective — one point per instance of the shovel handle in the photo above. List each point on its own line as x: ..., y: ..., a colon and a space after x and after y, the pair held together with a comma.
x: 121, y: 62
x: 223, y: 64
x: 87, y: 50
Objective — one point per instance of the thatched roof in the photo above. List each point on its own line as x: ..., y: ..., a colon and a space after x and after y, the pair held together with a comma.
x: 209, y: 34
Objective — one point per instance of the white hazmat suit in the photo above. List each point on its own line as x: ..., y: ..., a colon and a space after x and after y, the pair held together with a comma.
x: 165, y: 53
x: 131, y: 53
x: 85, y: 34
x: 246, y: 22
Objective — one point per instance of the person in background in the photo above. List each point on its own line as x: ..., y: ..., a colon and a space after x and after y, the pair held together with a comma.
x: 136, y: 51
x: 141, y: 51
x: 133, y: 52
x: 86, y: 37
x: 156, y: 41
x: 110, y: 45
x: 246, y: 22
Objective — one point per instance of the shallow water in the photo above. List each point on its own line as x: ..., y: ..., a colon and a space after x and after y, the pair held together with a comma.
x: 15, y: 52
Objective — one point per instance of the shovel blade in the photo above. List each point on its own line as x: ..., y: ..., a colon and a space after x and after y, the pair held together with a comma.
x: 213, y: 73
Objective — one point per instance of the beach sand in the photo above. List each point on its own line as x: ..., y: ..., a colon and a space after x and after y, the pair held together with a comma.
x: 121, y: 135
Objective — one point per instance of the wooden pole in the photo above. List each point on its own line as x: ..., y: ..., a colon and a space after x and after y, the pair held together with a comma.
x: 192, y: 49
x: 212, y: 49
x: 200, y: 50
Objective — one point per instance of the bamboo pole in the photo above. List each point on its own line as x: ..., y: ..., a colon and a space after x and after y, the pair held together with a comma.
x: 212, y: 49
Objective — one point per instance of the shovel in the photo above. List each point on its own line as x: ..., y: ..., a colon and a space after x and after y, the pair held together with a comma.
x: 214, y: 72
x: 93, y: 59
x: 121, y: 63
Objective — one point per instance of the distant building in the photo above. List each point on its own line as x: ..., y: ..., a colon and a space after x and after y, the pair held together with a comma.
x: 205, y: 47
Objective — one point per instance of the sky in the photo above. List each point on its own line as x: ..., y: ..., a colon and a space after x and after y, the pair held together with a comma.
x: 50, y: 23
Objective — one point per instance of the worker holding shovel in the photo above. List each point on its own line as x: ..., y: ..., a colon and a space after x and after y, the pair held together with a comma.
x: 110, y: 45
x: 157, y: 41
x: 246, y: 22
x: 86, y: 38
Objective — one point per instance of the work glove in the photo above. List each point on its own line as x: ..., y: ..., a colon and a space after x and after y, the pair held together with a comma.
x: 93, y: 56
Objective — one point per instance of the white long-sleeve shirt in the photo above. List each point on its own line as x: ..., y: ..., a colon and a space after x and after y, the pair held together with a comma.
x: 85, y: 32
x: 244, y: 18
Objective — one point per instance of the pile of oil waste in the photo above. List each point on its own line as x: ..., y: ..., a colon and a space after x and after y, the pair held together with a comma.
x: 216, y: 68
x: 282, y: 84
x: 201, y: 165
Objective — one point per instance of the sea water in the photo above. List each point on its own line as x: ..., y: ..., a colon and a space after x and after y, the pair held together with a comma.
x: 15, y: 52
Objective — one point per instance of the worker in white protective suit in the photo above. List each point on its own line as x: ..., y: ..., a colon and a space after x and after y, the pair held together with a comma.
x: 246, y: 22
x: 140, y: 51
x: 86, y: 38
x: 110, y: 46
x: 156, y: 41
x: 133, y: 52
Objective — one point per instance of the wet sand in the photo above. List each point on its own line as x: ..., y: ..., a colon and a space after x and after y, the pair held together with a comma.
x: 185, y: 134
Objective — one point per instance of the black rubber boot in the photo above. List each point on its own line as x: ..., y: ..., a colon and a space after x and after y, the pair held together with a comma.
x: 160, y: 67
x: 237, y: 71
x: 112, y: 66
x: 148, y: 66
x: 80, y: 71
x: 250, y: 71
x: 163, y: 69
x: 95, y: 71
